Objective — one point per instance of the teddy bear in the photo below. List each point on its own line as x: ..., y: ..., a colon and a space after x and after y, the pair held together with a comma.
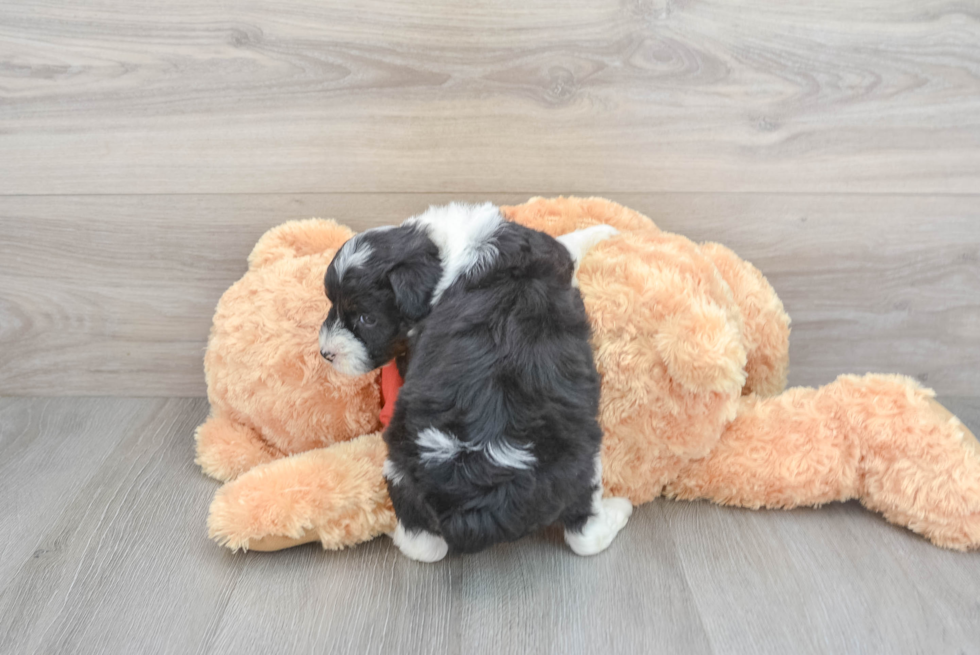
x: 691, y: 343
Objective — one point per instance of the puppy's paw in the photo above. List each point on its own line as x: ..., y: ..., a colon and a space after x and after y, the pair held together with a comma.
x: 421, y: 546
x: 600, y: 530
x: 599, y: 233
x: 617, y: 512
x: 579, y: 242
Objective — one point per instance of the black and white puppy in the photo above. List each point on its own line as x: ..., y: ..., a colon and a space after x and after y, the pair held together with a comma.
x: 495, y: 431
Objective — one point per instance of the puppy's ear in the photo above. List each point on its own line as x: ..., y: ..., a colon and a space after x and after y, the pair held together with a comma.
x: 413, y: 283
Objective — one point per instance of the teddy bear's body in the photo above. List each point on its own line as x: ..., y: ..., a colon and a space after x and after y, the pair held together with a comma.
x: 692, y: 345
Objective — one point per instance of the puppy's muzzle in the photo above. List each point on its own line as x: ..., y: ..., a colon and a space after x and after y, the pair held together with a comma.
x: 328, y: 348
x: 345, y: 352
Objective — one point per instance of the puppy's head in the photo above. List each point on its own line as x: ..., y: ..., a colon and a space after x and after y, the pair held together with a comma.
x: 379, y: 284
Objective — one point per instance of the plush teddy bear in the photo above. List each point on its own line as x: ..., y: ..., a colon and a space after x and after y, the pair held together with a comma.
x: 692, y: 346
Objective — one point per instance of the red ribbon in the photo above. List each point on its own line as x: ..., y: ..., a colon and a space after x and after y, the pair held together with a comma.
x: 391, y: 382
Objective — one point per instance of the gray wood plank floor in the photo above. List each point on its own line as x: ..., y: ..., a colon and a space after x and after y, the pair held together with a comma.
x: 103, y: 550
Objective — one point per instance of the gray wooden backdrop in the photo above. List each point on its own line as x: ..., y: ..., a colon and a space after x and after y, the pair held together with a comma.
x: 144, y: 150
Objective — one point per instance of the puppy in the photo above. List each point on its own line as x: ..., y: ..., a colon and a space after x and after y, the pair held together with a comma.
x: 494, y: 434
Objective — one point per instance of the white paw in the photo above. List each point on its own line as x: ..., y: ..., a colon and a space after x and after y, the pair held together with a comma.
x: 599, y: 233
x: 579, y: 242
x: 617, y: 511
x: 600, y: 530
x: 420, y: 546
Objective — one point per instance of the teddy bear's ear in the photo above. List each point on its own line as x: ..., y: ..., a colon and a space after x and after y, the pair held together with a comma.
x: 298, y: 239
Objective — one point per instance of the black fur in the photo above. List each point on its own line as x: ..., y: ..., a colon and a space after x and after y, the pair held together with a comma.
x: 392, y: 293
x: 504, y: 355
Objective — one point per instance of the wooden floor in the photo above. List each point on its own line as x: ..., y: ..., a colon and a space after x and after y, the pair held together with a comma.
x: 144, y: 147
x: 102, y: 550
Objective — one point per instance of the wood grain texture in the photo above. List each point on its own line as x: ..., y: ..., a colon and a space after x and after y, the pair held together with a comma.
x: 61, y: 441
x: 458, y: 96
x: 115, y: 294
x: 118, y: 562
x: 123, y: 564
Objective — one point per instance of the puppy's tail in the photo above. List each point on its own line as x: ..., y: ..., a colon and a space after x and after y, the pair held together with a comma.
x: 472, y: 530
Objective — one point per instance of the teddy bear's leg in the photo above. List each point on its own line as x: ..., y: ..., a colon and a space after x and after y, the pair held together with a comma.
x: 921, y: 465
x: 226, y: 449
x: 781, y: 452
x: 879, y: 438
x: 765, y: 322
x: 335, y: 495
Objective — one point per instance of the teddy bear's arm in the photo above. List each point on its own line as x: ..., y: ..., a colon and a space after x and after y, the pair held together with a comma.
x: 226, y: 449
x: 881, y: 439
x: 334, y: 495
x: 765, y: 328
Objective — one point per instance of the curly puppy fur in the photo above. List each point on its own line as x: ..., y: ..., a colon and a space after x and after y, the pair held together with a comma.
x: 494, y: 434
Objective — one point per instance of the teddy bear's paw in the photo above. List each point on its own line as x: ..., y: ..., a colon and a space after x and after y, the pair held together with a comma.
x: 336, y: 495
x: 600, y: 530
x: 421, y: 546
x: 959, y: 533
x: 702, y: 349
x: 226, y: 449
x: 920, y: 465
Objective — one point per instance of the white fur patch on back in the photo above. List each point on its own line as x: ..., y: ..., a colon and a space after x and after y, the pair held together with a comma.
x: 353, y: 253
x: 350, y: 355
x: 462, y: 232
x: 436, y: 447
x: 391, y: 474
x: 505, y: 454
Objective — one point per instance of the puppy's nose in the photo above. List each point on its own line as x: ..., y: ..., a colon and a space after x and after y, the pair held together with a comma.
x: 327, y: 355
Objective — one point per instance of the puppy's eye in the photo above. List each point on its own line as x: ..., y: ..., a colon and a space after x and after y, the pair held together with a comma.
x: 367, y: 321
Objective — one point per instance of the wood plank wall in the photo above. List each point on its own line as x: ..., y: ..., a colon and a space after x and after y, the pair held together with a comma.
x: 835, y: 144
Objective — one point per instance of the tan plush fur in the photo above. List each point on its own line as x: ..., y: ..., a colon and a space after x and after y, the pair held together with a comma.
x: 691, y: 341
x: 271, y: 393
